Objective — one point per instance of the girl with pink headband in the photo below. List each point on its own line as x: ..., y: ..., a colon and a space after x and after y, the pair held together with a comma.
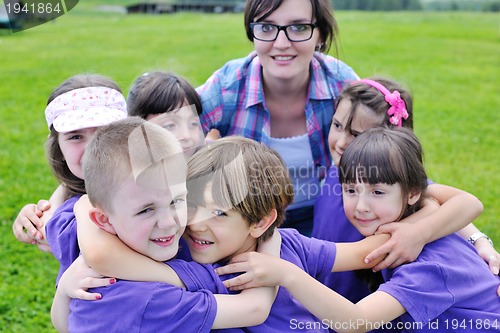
x: 366, y: 104
x: 447, y: 289
x: 74, y: 111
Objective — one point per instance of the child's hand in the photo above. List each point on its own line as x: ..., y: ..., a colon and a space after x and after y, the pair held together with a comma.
x: 78, y: 278
x: 403, y: 246
x: 261, y: 270
x: 28, y: 225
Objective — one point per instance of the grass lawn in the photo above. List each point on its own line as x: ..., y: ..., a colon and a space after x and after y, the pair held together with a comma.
x: 449, y: 60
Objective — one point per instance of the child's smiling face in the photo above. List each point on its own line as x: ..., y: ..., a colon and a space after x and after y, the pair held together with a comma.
x: 217, y: 233
x: 341, y: 134
x: 150, y: 221
x: 184, y: 123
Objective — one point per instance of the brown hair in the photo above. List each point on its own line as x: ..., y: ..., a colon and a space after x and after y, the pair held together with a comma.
x: 359, y: 93
x: 245, y: 175
x: 322, y: 17
x: 389, y: 156
x: 72, y: 184
x: 159, y: 92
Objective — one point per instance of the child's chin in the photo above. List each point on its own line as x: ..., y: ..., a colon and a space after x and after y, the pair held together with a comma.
x: 166, y: 255
x: 202, y: 260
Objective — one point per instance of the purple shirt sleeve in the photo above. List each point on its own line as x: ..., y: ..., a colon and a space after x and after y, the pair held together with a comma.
x: 129, y: 306
x: 61, y: 235
x: 447, y: 282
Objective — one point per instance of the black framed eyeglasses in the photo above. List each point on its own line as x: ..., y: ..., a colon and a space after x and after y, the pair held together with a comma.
x: 267, y: 32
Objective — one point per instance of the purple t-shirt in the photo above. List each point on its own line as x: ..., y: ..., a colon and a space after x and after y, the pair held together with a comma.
x: 60, y: 231
x: 314, y: 256
x: 331, y: 224
x: 129, y: 306
x: 448, y: 288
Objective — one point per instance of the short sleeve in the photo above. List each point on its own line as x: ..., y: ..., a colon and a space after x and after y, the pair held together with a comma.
x: 198, y: 276
x: 315, y: 256
x: 61, y: 235
x: 421, y: 288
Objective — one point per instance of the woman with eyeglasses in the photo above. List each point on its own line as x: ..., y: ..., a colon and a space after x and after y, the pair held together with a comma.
x: 283, y: 93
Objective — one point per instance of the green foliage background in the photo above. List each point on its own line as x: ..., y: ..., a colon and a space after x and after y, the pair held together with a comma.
x: 449, y: 60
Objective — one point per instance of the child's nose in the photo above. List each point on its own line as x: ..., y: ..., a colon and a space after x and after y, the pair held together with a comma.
x: 362, y: 204
x: 183, y: 133
x: 167, y: 219
x: 343, y: 141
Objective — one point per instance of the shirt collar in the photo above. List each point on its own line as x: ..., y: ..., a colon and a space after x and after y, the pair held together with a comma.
x: 255, y: 91
x: 319, y: 86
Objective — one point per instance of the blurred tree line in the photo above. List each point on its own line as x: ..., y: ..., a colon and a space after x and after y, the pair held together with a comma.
x: 395, y: 5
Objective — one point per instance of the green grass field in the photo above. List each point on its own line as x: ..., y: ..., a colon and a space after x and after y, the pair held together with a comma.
x: 449, y: 60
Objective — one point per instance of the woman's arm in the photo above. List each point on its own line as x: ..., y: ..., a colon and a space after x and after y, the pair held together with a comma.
x: 109, y: 256
x: 484, y: 248
x: 457, y: 209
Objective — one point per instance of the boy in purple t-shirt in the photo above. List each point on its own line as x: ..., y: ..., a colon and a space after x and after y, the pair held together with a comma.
x: 143, y: 167
x: 446, y: 289
x: 238, y: 193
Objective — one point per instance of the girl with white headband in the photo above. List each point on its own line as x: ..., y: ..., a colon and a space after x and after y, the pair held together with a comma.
x: 74, y: 111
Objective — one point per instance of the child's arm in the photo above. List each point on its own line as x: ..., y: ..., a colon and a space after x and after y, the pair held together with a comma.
x: 108, y: 255
x: 252, y: 306
x: 74, y: 284
x: 349, y: 256
x: 320, y: 300
x: 59, y: 311
x: 28, y: 226
x: 457, y: 209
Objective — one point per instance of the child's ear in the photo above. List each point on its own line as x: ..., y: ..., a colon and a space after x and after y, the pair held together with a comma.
x: 100, y: 218
x: 413, y: 197
x: 260, y: 227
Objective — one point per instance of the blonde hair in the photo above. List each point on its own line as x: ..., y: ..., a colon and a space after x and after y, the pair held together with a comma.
x: 245, y: 176
x: 128, y: 148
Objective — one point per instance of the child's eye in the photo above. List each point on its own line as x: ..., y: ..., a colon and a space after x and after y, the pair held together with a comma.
x: 219, y: 212
x: 349, y: 190
x: 145, y: 211
x: 378, y: 192
x: 75, y: 137
x: 195, y: 124
x: 177, y: 201
x: 169, y: 126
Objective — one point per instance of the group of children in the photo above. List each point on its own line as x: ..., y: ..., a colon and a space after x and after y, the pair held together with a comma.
x: 228, y: 201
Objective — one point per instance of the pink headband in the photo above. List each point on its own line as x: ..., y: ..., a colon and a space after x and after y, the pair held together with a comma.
x: 398, y: 107
x: 84, y: 108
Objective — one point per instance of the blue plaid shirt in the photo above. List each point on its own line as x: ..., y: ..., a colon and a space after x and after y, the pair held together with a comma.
x: 233, y: 102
